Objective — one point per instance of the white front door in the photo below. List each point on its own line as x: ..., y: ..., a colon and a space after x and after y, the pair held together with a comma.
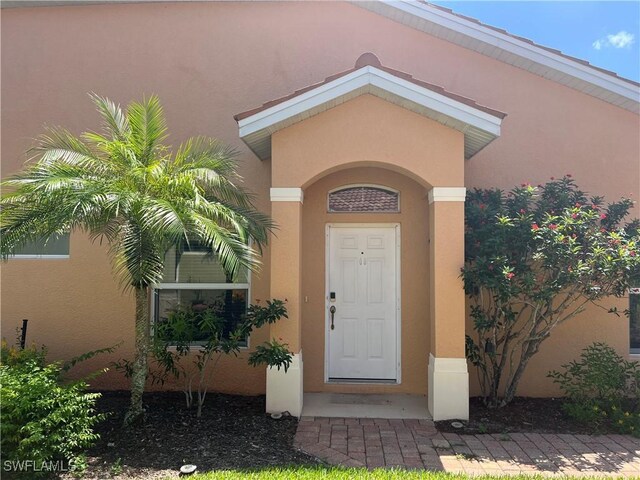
x: 362, y: 289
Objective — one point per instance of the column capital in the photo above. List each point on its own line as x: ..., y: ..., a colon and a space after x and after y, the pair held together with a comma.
x: 286, y: 194
x: 447, y: 194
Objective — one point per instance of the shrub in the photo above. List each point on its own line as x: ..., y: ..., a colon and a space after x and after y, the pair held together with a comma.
x: 189, y: 344
x: 13, y: 356
x: 43, y: 419
x: 602, y: 388
x: 536, y: 257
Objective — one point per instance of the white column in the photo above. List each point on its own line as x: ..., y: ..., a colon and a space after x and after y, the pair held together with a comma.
x: 448, y: 376
x: 284, y: 389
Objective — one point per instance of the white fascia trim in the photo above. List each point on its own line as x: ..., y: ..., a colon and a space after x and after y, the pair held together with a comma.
x: 364, y: 77
x: 301, y: 103
x: 447, y: 194
x: 288, y: 194
x: 435, y: 101
x: 517, y: 47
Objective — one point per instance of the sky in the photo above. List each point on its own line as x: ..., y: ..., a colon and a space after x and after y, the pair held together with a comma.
x: 605, y: 33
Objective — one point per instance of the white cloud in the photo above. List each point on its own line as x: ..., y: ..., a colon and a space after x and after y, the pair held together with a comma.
x: 622, y: 39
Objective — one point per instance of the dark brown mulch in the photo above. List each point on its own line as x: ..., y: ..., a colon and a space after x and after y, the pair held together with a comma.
x: 233, y: 433
x: 534, y: 415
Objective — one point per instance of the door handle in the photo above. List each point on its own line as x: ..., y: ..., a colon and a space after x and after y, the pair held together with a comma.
x: 332, y: 310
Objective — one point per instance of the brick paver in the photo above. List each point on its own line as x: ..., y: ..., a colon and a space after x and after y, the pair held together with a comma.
x: 416, y: 444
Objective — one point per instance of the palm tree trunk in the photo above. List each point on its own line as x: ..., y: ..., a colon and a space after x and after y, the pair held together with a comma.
x: 140, y: 367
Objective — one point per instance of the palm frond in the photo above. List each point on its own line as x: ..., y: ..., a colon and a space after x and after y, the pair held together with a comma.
x: 231, y: 249
x: 206, y: 153
x: 148, y: 127
x: 138, y: 260
x: 115, y: 121
x: 125, y: 187
x: 60, y: 145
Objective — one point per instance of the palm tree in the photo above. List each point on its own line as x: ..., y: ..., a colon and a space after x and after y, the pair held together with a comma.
x: 126, y: 187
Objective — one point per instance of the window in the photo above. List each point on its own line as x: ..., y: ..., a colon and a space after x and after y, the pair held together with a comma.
x: 54, y: 247
x: 634, y: 319
x: 195, y: 286
x: 364, y: 199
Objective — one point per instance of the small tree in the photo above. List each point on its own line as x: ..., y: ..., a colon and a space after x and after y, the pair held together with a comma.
x: 189, y: 344
x: 535, y: 258
x: 126, y: 187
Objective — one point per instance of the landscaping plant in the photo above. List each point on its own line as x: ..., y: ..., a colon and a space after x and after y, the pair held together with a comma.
x: 125, y: 187
x: 602, y: 388
x: 44, y: 419
x: 535, y: 257
x: 189, y: 344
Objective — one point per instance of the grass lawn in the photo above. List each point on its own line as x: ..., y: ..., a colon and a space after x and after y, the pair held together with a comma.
x: 335, y: 473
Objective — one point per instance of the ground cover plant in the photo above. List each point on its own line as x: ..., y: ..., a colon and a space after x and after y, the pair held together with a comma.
x: 535, y: 257
x: 127, y: 188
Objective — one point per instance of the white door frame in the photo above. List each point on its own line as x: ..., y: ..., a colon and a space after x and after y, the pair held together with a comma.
x: 327, y: 303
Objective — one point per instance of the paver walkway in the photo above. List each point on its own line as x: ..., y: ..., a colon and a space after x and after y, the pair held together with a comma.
x: 366, y: 442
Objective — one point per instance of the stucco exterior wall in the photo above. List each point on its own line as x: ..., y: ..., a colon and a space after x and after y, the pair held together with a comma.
x: 368, y: 131
x: 209, y: 61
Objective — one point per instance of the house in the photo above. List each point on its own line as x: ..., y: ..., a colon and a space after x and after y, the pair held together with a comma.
x: 360, y: 127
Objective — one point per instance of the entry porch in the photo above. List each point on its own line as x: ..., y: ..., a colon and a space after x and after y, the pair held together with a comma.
x: 374, y: 296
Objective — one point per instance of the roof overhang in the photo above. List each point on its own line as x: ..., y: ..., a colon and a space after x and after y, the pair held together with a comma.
x: 520, y: 52
x: 480, y: 125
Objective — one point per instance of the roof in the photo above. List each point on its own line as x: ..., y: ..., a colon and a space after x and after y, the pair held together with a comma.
x: 521, y: 52
x: 371, y: 59
x: 480, y: 124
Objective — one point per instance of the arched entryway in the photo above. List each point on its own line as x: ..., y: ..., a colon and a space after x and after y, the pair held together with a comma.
x: 371, y: 124
x: 376, y: 265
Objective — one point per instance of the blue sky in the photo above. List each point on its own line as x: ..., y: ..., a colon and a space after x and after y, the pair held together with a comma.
x: 605, y: 34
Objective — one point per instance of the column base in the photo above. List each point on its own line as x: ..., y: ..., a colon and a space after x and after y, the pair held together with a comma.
x: 448, y: 388
x: 284, y: 390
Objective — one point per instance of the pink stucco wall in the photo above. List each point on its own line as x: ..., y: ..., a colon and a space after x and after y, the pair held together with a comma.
x: 209, y: 61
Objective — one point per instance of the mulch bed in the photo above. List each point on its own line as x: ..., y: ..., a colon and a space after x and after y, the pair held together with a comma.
x: 233, y: 433
x: 526, y: 415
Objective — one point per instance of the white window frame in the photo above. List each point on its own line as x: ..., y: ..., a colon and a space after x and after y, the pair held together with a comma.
x: 369, y: 185
x: 198, y: 286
